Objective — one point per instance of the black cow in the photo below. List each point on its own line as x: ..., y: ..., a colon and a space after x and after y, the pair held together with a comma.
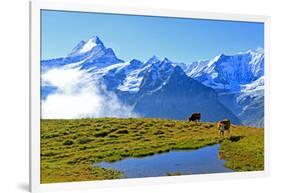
x: 195, y: 117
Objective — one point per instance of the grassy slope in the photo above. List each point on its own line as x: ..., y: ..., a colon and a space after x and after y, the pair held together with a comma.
x: 69, y: 147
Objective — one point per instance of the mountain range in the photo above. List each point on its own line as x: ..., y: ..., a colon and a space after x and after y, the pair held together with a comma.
x: 239, y: 81
x: 228, y: 86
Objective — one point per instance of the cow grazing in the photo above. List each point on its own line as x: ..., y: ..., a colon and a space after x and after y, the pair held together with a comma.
x: 221, y: 155
x: 195, y: 117
x: 223, y: 126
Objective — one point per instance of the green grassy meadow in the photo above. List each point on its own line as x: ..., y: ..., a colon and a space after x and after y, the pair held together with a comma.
x: 70, y: 147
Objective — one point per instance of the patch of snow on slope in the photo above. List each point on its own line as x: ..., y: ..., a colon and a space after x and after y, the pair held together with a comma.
x: 134, y: 73
x: 90, y: 44
x: 254, y: 86
x: 131, y: 83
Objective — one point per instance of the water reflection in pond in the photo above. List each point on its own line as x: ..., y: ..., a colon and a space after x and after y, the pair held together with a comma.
x: 204, y: 160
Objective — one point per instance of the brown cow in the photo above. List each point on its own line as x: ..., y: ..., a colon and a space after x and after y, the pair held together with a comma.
x: 223, y: 126
x: 195, y: 117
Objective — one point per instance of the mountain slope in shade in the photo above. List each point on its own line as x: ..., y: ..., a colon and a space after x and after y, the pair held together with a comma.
x: 181, y: 96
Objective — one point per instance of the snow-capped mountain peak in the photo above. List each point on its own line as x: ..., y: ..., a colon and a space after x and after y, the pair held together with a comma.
x: 86, y: 46
x: 152, y: 60
x: 90, y: 44
x: 90, y: 54
x: 166, y: 60
x: 228, y: 72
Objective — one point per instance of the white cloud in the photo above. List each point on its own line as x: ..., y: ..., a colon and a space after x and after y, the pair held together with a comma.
x: 79, y: 96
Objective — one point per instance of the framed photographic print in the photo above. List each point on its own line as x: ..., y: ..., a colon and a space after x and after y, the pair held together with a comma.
x: 124, y: 96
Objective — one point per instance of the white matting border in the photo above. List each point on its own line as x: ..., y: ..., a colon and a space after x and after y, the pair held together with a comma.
x: 37, y: 6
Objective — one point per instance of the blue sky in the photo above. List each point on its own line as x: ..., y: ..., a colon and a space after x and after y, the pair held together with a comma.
x: 140, y: 37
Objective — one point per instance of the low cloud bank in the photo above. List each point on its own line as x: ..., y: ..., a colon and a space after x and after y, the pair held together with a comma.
x: 78, y: 95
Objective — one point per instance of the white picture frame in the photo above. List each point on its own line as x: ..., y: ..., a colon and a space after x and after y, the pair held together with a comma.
x: 36, y: 6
